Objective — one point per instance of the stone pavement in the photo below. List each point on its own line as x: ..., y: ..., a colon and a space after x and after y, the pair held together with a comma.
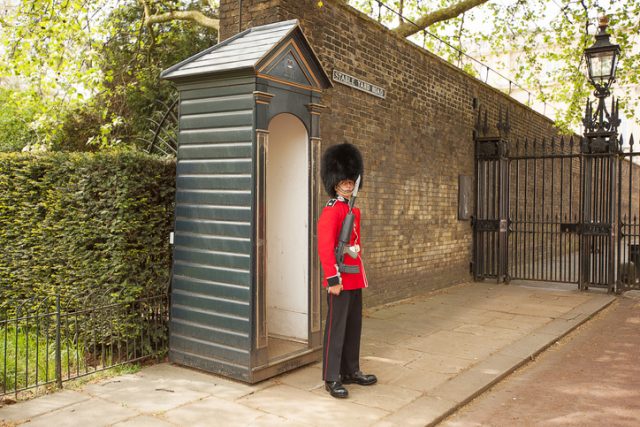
x: 432, y: 354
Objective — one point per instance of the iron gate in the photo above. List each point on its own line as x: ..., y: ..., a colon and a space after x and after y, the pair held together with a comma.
x: 559, y: 210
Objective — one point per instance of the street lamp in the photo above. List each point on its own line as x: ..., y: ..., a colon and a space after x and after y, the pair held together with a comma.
x: 602, y: 59
x: 601, y: 126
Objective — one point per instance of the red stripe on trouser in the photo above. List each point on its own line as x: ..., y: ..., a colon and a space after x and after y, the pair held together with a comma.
x: 326, y: 350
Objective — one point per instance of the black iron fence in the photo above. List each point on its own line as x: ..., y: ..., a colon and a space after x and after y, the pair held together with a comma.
x: 560, y: 210
x: 544, y: 209
x: 628, y: 249
x: 42, y: 344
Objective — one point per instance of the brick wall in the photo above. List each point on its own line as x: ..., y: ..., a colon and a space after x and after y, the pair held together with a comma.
x: 415, y: 142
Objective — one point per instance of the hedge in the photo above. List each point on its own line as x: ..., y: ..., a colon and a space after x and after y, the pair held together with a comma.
x: 88, y: 227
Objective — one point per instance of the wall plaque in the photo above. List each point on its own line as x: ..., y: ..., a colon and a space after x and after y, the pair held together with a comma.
x: 465, y: 195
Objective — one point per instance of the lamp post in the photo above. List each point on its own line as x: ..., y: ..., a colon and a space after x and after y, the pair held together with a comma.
x: 600, y: 151
x: 601, y: 125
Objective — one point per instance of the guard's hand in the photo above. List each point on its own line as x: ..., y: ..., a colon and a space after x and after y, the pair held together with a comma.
x: 334, y: 290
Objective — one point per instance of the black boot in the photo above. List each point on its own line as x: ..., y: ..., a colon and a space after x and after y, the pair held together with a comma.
x: 336, y: 389
x: 359, y: 378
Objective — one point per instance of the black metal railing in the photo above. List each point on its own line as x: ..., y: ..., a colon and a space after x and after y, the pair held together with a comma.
x: 628, y: 267
x: 557, y: 210
x: 544, y: 185
x: 42, y: 344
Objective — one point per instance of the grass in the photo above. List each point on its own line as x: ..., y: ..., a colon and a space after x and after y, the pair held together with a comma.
x: 129, y: 368
x: 27, y: 358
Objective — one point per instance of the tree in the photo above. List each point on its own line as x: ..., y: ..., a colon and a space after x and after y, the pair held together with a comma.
x: 544, y: 39
x: 50, y: 49
x: 15, y: 120
x: 133, y: 57
x: 92, y: 67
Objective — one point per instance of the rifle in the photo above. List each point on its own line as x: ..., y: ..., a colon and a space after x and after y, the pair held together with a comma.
x: 345, y: 236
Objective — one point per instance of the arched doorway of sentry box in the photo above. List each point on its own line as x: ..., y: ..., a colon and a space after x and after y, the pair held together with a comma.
x: 287, y: 236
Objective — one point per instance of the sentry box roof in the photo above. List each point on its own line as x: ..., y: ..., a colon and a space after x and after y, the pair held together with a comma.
x: 252, y: 50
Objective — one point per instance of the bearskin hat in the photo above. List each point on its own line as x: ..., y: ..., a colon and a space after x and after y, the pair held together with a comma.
x: 340, y: 162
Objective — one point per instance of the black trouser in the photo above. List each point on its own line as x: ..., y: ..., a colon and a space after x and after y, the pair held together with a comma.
x: 342, y: 335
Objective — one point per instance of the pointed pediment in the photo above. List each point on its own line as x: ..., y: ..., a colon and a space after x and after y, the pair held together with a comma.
x: 277, y: 52
x: 290, y: 67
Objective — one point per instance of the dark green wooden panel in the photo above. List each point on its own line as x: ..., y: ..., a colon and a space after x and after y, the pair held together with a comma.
x: 217, y: 274
x: 211, y: 275
x: 206, y: 287
x: 195, y: 346
x: 213, y: 92
x: 216, y: 120
x: 241, y: 166
x: 210, y: 364
x: 203, y: 181
x: 212, y: 258
x: 202, y: 227
x: 213, y: 197
x: 212, y: 212
x: 213, y: 135
x: 215, y: 151
x: 205, y: 333
x: 217, y: 104
x: 212, y: 243
x: 234, y: 79
x: 224, y: 307
x: 209, y: 318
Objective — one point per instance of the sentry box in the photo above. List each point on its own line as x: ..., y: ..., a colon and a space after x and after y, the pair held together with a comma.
x: 245, y: 298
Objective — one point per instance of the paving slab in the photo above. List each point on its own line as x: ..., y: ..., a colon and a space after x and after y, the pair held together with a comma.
x: 318, y: 409
x: 385, y: 370
x: 270, y: 420
x: 93, y: 412
x: 516, y: 322
x: 387, y: 397
x: 487, y: 331
x: 146, y: 395
x: 398, y: 353
x: 457, y: 344
x: 213, y: 411
x: 386, y: 331
x: 182, y: 377
x: 144, y: 421
x: 444, y: 364
x: 420, y: 412
x: 305, y: 378
x: 530, y: 345
x: 42, y: 405
x: 420, y: 379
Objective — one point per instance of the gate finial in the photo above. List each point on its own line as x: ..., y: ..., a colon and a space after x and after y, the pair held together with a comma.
x: 503, y: 126
x: 481, y: 122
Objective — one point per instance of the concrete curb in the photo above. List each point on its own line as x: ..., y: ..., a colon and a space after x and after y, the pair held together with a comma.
x: 444, y: 400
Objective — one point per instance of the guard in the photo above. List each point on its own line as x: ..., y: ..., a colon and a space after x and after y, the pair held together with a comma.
x: 344, y: 275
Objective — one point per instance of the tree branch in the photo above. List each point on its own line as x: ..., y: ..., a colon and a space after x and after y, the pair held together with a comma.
x: 407, y: 28
x: 184, y: 15
x: 149, y: 25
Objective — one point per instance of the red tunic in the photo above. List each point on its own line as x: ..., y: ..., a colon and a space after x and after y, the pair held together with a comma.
x: 329, y: 226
